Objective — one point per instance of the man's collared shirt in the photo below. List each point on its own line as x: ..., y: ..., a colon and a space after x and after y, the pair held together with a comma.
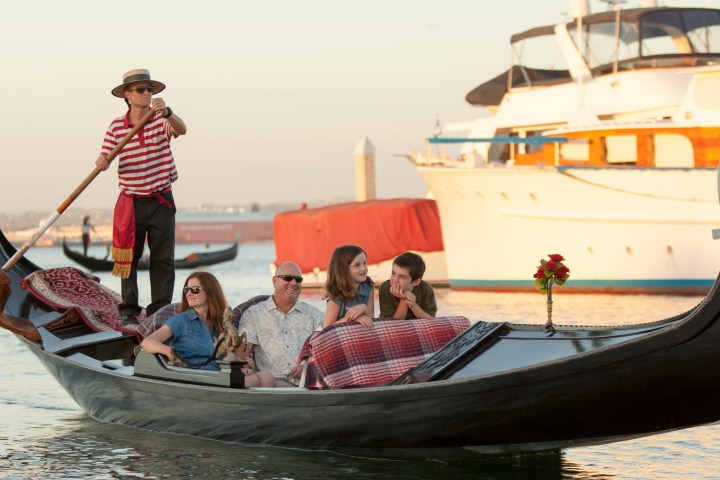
x: 277, y: 337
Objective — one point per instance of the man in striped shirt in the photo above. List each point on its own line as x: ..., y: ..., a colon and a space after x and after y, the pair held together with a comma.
x: 145, y: 206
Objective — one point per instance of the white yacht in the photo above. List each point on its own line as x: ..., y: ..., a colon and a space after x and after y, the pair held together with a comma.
x: 606, y: 154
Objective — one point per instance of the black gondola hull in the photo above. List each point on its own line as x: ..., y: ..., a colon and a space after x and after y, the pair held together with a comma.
x: 581, y: 403
x: 663, y: 378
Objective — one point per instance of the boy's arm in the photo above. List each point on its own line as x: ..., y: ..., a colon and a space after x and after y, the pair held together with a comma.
x: 401, y: 310
x: 414, y: 307
x: 387, y: 300
x: 428, y: 303
x: 427, y: 307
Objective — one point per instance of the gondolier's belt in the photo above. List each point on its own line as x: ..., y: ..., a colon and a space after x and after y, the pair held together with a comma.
x: 156, y: 194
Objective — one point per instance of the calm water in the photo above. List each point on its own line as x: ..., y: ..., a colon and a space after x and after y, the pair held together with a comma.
x: 43, y: 434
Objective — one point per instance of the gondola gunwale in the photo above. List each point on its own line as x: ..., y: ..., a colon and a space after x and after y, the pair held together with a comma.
x: 530, y: 374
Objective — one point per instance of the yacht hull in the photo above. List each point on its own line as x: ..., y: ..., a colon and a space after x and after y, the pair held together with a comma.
x: 628, y: 230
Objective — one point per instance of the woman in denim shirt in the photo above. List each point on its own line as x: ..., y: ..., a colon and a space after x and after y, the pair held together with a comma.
x: 194, y: 331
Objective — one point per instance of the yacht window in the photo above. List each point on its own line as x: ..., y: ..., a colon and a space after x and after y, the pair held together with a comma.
x: 576, y: 149
x: 499, y: 152
x: 673, y: 150
x: 681, y: 37
x: 681, y: 32
x: 621, y: 149
x: 703, y: 30
x: 599, y: 43
x: 538, y: 60
x: 663, y: 33
x: 658, y: 39
x: 539, y: 53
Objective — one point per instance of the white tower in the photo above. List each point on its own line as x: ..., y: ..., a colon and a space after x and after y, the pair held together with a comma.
x: 364, y: 170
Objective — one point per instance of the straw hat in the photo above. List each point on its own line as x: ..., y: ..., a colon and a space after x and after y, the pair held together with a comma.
x: 137, y: 75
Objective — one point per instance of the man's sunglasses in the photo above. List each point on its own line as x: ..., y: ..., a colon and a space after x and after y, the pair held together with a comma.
x: 141, y: 90
x: 193, y: 289
x: 289, y: 278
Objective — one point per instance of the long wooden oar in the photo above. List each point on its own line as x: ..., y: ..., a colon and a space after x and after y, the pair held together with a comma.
x: 23, y: 326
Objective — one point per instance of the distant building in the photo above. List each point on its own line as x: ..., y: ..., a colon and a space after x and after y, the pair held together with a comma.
x: 199, y: 226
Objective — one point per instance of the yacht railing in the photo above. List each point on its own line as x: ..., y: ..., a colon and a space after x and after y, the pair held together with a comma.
x: 469, y: 160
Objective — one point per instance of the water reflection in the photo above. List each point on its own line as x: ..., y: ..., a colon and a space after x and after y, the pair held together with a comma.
x: 83, y: 448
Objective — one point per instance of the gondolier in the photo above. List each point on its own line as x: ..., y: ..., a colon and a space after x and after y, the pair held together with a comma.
x: 145, y: 206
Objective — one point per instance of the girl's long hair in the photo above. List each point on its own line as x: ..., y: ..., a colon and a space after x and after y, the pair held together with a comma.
x: 339, y: 286
x: 215, y: 298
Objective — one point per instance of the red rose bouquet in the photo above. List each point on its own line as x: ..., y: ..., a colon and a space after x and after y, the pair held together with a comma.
x: 550, y: 272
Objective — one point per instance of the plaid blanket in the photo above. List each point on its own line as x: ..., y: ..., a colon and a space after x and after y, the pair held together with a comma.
x: 66, y: 288
x: 350, y: 355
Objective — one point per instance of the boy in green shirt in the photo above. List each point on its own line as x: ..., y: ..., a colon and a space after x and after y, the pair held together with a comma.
x: 406, y: 295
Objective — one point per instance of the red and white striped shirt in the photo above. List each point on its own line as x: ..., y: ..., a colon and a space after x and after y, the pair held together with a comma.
x: 145, y: 164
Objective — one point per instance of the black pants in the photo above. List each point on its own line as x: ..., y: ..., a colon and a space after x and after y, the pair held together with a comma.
x: 86, y: 242
x: 155, y: 221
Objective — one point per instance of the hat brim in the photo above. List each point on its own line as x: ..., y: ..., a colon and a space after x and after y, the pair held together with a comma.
x: 119, y: 91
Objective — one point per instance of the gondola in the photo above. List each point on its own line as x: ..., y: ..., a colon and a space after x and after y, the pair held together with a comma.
x: 497, y: 388
x: 194, y: 260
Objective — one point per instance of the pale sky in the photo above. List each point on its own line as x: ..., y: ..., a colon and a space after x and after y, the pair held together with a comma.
x: 275, y: 94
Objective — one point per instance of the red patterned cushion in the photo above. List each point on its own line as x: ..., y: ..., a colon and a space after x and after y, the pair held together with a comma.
x: 68, y: 287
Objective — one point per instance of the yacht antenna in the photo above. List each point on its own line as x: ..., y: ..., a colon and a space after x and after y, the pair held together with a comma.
x: 614, y: 4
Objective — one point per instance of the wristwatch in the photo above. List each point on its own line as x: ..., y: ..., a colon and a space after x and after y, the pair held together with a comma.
x: 167, y: 115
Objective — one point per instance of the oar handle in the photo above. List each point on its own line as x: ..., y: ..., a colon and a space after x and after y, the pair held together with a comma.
x: 83, y: 185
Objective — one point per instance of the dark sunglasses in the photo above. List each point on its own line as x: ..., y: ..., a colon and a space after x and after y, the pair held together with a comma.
x: 141, y: 90
x: 289, y: 278
x: 193, y: 289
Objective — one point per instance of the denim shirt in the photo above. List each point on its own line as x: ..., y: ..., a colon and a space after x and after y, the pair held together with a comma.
x: 191, y: 338
x: 365, y: 289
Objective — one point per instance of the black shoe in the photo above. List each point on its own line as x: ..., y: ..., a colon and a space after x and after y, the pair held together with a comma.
x: 129, y: 319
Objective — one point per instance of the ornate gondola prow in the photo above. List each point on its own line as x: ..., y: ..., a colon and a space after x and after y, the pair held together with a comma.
x: 230, y: 341
x: 716, y: 231
x: 21, y: 326
x: 5, y: 289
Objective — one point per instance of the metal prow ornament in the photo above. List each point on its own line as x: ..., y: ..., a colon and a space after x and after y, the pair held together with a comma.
x: 233, y: 345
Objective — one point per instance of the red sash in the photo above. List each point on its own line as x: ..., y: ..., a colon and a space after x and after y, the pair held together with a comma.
x: 123, y: 242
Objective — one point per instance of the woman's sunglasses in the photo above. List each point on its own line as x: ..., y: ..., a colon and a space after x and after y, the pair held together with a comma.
x: 193, y: 289
x: 289, y: 278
